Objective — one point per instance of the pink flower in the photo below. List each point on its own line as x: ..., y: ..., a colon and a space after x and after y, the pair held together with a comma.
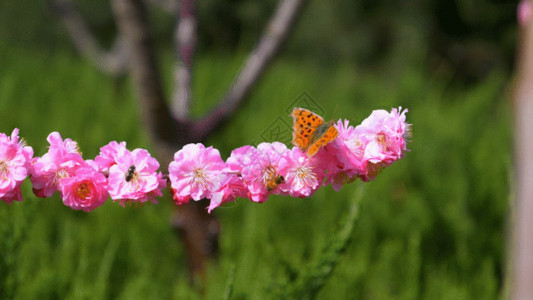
x: 302, y: 178
x: 231, y: 187
x: 15, y: 160
x: 525, y: 11
x: 195, y: 172
x: 261, y: 173
x: 84, y: 190
x: 109, y: 155
x: 343, y: 159
x: 61, y: 161
x: 242, y: 157
x: 133, y: 177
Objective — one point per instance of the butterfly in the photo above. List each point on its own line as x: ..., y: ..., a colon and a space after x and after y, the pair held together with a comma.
x: 310, y: 133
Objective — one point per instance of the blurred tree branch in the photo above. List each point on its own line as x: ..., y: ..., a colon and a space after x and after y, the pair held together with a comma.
x: 112, y: 62
x: 522, y: 243
x: 170, y: 126
x: 185, y: 42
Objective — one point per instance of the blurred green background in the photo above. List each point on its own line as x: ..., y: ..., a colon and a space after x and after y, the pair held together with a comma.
x: 432, y: 226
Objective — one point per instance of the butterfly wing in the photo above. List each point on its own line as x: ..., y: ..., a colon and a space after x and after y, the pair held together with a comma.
x: 325, y: 134
x: 305, y: 124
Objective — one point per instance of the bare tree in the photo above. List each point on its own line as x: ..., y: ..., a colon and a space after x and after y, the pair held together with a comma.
x: 170, y: 126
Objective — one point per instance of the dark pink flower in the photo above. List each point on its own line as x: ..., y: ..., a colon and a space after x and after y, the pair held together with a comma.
x: 84, y: 190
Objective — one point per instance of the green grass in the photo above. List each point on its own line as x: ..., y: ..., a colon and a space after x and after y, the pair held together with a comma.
x: 429, y: 227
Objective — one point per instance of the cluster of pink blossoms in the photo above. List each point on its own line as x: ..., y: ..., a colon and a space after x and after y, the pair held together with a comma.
x: 250, y: 172
x: 198, y: 172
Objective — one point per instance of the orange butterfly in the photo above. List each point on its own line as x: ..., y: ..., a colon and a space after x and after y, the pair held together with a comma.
x: 310, y: 132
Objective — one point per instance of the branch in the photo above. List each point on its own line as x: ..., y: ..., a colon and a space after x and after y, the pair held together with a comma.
x: 271, y: 42
x: 131, y: 18
x: 185, y: 41
x: 198, y: 229
x: 522, y: 247
x: 113, y: 62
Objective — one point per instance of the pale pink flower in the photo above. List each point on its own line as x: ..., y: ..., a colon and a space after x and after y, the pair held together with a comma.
x: 263, y: 170
x: 109, y: 155
x: 194, y: 173
x: 242, y: 157
x: 134, y: 177
x: 61, y: 161
x: 351, y: 146
x: 84, y: 190
x: 15, y: 158
x: 524, y: 12
x: 386, y: 136
x: 302, y: 177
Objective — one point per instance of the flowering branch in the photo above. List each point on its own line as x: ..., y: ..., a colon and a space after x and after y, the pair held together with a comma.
x: 197, y: 172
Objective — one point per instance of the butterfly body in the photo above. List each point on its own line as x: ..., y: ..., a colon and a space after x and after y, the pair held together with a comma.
x: 310, y: 132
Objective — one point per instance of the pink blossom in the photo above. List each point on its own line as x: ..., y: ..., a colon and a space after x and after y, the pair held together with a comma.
x: 15, y: 166
x: 109, y: 155
x: 231, y: 187
x: 343, y: 159
x: 84, y: 190
x: 242, y: 157
x: 263, y: 169
x: 385, y: 135
x: 134, y: 177
x: 195, y: 172
x: 61, y: 161
x: 525, y: 11
x: 302, y: 177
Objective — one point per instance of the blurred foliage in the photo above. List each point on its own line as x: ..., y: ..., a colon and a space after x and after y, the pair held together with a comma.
x: 431, y: 226
x: 468, y: 37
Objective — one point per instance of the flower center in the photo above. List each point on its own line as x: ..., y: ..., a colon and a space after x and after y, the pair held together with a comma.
x: 356, y: 147
x: 268, y: 174
x: 3, y: 170
x: 199, y: 177
x: 83, y: 190
x: 305, y: 175
x: 383, y: 141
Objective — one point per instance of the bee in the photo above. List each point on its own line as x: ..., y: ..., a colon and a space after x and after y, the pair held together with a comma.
x: 130, y: 173
x: 274, y: 182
